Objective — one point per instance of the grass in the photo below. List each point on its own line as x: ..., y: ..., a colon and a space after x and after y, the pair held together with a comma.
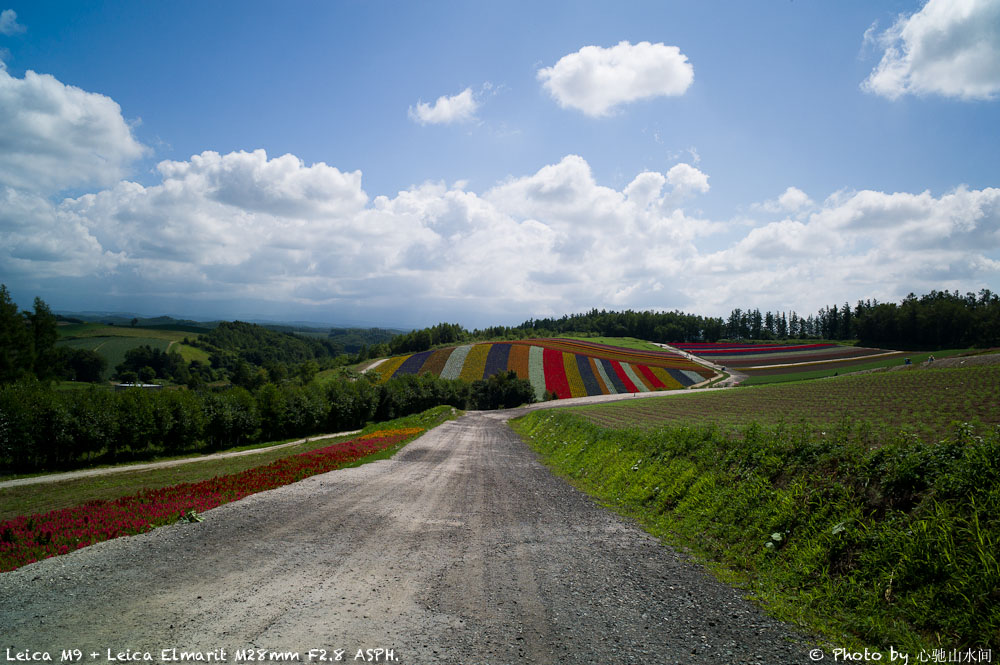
x: 189, y: 353
x: 43, y: 497
x: 925, y: 402
x: 836, y: 369
x: 78, y: 330
x: 887, y: 540
x: 113, y: 342
x: 113, y: 349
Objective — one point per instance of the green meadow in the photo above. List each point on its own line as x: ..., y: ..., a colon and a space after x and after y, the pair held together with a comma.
x: 113, y: 342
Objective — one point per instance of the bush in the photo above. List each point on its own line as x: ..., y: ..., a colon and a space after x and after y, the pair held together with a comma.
x: 501, y: 391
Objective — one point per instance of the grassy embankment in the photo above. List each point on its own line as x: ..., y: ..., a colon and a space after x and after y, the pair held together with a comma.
x: 43, y: 497
x: 854, y: 507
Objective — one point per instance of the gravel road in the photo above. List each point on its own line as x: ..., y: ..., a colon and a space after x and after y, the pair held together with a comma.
x: 462, y: 549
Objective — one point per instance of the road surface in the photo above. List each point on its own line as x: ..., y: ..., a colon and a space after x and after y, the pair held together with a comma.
x: 462, y: 549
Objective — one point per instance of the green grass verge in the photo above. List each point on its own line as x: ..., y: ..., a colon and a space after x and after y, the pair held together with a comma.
x: 43, y: 497
x: 894, y: 546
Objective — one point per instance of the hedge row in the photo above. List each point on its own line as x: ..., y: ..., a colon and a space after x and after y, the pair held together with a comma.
x: 42, y: 429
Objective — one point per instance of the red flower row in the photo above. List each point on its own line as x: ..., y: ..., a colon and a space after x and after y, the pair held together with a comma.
x: 24, y: 540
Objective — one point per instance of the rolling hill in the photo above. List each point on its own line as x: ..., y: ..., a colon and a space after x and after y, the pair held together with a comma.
x: 565, y: 367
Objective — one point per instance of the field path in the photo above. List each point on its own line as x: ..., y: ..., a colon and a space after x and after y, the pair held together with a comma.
x: 460, y: 549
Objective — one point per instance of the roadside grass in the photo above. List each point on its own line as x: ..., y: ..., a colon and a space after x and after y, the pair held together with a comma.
x: 892, y: 546
x: 924, y: 402
x: 43, y: 497
x: 836, y: 369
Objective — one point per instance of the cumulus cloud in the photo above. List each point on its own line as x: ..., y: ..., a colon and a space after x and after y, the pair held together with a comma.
x: 56, y: 136
x: 687, y: 180
x: 949, y: 48
x: 793, y: 200
x: 38, y: 240
x: 596, y: 80
x: 247, y: 227
x: 8, y: 23
x: 446, y: 110
x: 243, y: 226
x: 874, y: 244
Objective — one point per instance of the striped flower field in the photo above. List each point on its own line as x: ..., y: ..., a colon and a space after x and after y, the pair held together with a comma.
x: 566, y: 367
x: 779, y: 358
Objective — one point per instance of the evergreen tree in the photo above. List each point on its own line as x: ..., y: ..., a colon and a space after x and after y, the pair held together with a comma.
x: 16, y: 359
x: 44, y: 333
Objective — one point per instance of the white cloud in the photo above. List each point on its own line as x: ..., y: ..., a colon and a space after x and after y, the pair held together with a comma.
x: 446, y: 110
x: 277, y: 231
x: 596, y: 80
x: 793, y: 200
x: 245, y: 227
x: 242, y: 226
x: 686, y: 180
x: 56, y: 136
x: 866, y: 243
x: 38, y: 240
x: 949, y: 48
x: 8, y: 23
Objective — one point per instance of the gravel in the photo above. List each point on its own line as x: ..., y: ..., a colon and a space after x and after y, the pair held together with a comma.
x: 463, y: 548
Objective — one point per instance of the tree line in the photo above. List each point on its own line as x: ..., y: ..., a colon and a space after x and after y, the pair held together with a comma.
x: 44, y: 429
x: 937, y: 320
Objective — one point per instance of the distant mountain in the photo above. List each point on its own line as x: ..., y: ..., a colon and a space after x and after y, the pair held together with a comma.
x: 126, y: 318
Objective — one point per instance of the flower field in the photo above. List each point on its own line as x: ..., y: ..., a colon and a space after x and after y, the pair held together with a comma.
x: 765, y: 359
x: 26, y: 539
x: 566, y: 367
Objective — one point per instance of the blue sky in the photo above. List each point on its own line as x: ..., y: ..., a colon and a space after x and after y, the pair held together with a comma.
x: 407, y: 163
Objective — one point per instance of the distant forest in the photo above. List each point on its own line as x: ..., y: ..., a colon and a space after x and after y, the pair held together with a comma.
x: 937, y: 320
x: 252, y: 355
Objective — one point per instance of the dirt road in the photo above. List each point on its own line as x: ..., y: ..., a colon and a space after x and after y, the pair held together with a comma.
x: 461, y: 549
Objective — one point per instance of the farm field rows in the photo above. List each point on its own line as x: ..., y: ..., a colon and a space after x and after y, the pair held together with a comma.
x: 566, y: 367
x: 114, y: 348
x: 925, y: 401
x: 113, y: 342
x: 774, y: 359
